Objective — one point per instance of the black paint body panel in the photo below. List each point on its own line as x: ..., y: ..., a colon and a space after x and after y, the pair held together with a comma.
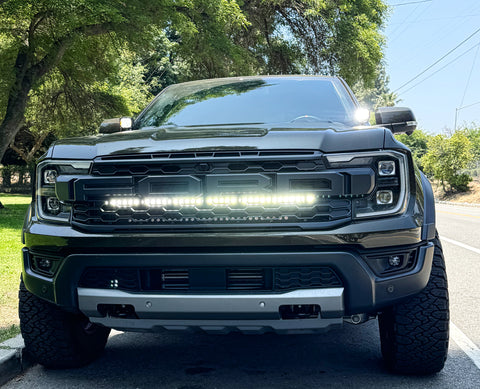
x: 344, y: 246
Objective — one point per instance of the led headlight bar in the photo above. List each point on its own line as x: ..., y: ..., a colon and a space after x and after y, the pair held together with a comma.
x: 243, y: 200
x: 300, y: 199
x: 154, y: 202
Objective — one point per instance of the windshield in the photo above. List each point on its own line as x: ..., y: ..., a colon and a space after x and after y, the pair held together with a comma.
x: 250, y: 101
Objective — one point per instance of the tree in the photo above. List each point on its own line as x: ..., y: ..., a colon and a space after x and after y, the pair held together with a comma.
x: 58, y: 52
x: 27, y: 146
x: 473, y: 134
x: 446, y: 157
x: 39, y: 36
x: 377, y: 95
x: 417, y: 142
x: 316, y: 36
x: 282, y: 37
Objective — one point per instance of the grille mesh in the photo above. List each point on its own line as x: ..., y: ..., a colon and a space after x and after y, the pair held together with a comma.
x: 304, y: 277
x: 195, y: 174
x: 208, y: 279
x: 91, y: 213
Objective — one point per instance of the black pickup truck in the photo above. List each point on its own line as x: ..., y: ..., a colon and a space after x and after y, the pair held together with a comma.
x: 250, y: 204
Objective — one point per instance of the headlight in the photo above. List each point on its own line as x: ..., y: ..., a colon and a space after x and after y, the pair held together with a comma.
x: 391, y: 184
x: 48, y: 204
x: 386, y: 168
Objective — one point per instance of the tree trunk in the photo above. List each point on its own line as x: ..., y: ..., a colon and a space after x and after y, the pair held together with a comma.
x: 28, y: 72
x: 13, y: 120
x: 29, y: 155
x: 17, y: 102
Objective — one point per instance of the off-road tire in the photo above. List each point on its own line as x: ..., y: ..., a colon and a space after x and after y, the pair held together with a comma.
x: 414, y: 335
x: 57, y: 339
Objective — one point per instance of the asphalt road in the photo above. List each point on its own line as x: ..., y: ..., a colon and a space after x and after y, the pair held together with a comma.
x: 349, y: 357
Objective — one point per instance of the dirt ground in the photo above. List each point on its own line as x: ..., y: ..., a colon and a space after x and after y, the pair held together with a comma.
x: 472, y: 196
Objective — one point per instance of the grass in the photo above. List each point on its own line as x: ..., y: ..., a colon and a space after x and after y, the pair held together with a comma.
x: 11, y: 220
x: 9, y: 332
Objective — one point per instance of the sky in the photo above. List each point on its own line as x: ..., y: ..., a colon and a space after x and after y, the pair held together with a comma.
x: 418, y: 34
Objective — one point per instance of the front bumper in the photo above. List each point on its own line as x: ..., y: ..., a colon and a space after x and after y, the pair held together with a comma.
x: 362, y: 291
x: 250, y: 313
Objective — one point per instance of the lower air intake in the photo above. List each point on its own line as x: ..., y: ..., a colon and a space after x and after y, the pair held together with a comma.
x: 279, y: 279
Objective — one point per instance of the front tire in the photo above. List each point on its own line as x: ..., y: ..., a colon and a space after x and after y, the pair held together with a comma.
x: 57, y: 339
x: 414, y: 334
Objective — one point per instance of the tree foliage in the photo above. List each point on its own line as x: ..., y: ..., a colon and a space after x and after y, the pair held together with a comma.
x: 316, y: 36
x: 378, y: 94
x: 47, y: 46
x: 473, y: 135
x: 445, y: 159
x: 417, y: 142
x: 66, y: 64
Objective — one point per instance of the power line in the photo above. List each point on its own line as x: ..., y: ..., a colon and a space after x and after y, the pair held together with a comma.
x: 459, y: 109
x: 435, y: 19
x: 405, y: 26
x: 469, y: 76
x: 437, y: 35
x: 443, y: 67
x: 410, y: 2
x: 437, y: 61
x: 394, y: 36
x: 469, y: 105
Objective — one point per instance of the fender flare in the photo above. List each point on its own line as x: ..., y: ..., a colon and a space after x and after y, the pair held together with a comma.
x: 428, y: 229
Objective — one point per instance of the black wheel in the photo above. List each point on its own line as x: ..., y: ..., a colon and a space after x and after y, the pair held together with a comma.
x: 55, y: 338
x: 414, y: 334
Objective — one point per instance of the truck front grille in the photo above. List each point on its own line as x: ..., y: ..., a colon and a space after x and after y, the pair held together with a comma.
x: 209, y: 279
x: 195, y: 191
x: 93, y: 213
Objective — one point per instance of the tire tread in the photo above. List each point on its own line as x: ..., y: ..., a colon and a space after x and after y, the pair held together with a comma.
x: 415, y: 333
x: 53, y: 337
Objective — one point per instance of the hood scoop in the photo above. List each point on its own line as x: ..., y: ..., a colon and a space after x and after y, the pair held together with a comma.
x: 195, y: 133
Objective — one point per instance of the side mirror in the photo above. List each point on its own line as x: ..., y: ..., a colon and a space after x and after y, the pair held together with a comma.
x: 111, y: 126
x: 396, y: 119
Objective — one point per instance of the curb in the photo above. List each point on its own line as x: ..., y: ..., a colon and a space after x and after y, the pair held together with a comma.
x: 13, y: 359
x: 454, y: 203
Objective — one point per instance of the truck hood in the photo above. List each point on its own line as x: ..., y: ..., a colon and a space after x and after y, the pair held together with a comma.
x: 326, y: 139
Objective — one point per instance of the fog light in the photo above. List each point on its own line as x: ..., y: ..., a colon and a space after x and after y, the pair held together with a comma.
x: 44, y: 264
x: 395, y: 260
x: 384, y: 197
x: 53, y: 205
x: 50, y: 176
x: 386, y: 168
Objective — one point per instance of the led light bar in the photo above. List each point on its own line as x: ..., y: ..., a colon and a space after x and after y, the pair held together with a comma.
x: 154, y: 202
x: 245, y: 200
x: 289, y: 199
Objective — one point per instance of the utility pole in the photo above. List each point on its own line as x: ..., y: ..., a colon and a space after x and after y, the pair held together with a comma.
x: 456, y: 116
x: 459, y: 109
